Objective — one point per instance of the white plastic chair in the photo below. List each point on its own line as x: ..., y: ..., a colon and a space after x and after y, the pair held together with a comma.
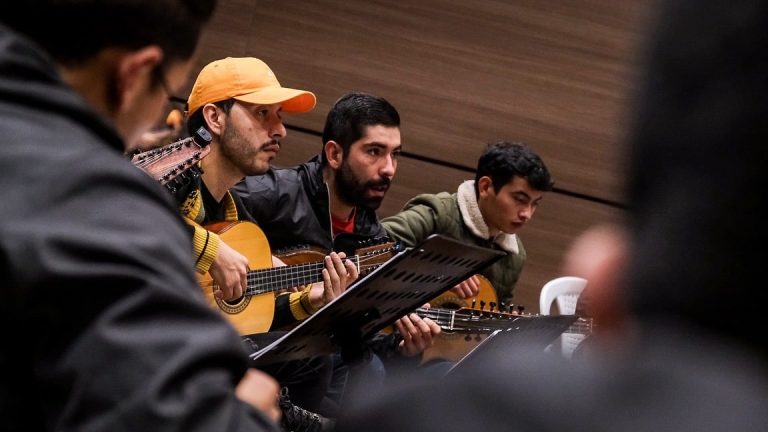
x: 565, y: 292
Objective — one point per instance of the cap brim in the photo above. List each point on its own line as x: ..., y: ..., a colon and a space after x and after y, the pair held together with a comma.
x: 292, y: 100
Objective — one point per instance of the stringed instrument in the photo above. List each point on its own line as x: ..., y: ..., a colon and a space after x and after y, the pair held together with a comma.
x: 450, y: 344
x: 456, y: 339
x: 254, y: 311
x: 172, y: 164
x: 464, y: 325
x: 474, y: 321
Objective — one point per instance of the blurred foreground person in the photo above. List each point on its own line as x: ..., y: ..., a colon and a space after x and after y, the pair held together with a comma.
x: 104, y: 324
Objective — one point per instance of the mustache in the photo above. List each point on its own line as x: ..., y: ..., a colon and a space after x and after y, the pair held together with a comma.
x: 384, y: 182
x: 270, y: 143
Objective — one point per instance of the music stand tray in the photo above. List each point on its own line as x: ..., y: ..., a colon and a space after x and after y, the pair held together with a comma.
x: 401, y: 285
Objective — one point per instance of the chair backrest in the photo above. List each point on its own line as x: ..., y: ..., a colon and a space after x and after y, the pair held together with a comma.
x: 565, y: 291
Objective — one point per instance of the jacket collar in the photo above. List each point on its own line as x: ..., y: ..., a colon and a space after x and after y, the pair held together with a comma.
x: 473, y: 219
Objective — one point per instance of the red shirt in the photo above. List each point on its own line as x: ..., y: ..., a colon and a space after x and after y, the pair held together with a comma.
x: 339, y: 226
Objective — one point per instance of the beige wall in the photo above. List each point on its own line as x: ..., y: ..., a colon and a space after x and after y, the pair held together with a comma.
x: 553, y: 73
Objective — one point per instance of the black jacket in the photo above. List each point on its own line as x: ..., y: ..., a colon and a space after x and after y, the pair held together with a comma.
x: 104, y: 325
x: 291, y: 205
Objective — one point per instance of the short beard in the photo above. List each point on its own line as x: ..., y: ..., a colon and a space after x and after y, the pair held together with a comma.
x: 236, y: 151
x: 352, y: 191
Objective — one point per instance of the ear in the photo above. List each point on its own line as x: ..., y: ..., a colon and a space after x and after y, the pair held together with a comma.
x: 484, y: 186
x: 135, y: 74
x: 333, y: 154
x: 213, y: 119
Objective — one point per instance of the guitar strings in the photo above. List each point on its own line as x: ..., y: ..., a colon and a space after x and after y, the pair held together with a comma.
x: 277, y: 278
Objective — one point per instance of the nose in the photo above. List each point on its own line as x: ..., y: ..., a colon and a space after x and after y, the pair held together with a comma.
x: 389, y: 167
x: 527, y: 212
x: 277, y: 130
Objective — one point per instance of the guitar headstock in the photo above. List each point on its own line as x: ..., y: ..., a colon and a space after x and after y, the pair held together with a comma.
x: 172, y: 164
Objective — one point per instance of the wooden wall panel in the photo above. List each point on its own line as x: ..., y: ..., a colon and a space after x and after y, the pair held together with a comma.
x: 552, y: 73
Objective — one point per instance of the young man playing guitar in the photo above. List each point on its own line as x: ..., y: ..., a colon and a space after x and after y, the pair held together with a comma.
x: 240, y: 103
x: 510, y: 181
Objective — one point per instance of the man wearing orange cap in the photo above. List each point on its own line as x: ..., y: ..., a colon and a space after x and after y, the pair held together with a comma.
x: 240, y: 103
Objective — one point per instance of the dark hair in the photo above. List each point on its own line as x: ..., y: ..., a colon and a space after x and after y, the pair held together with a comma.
x: 697, y: 166
x: 72, y: 31
x: 351, y: 114
x: 502, y: 161
x: 196, y: 120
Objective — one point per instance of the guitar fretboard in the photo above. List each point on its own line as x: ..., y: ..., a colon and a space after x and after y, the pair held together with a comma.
x: 472, y: 321
x: 279, y: 278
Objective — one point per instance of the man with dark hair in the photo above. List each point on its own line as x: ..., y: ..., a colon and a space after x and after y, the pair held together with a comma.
x: 330, y: 201
x: 509, y: 184
x: 676, y: 290
x: 105, y: 326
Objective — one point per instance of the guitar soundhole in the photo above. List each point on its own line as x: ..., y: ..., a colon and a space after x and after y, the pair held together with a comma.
x: 233, y: 306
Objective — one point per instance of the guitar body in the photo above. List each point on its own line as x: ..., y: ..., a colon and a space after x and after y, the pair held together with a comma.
x: 249, y: 314
x: 454, y: 346
x: 302, y: 255
x: 254, y: 312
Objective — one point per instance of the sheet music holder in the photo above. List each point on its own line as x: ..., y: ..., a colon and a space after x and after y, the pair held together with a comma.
x: 526, y: 332
x: 401, y: 285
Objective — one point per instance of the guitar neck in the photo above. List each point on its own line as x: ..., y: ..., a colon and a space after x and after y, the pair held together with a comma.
x: 466, y: 320
x: 279, y: 278
x: 473, y: 321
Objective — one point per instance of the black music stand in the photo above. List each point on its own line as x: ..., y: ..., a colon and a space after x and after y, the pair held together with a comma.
x: 401, y: 285
x: 525, y: 332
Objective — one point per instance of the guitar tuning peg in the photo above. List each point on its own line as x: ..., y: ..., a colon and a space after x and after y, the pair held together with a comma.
x: 482, y: 304
x: 493, y: 306
x: 468, y: 338
x: 520, y: 308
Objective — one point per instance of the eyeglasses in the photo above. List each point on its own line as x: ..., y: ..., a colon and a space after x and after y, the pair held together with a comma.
x: 159, y: 73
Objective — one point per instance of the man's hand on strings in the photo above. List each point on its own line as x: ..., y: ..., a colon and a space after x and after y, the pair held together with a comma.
x: 229, y: 270
x: 417, y: 333
x: 338, y: 274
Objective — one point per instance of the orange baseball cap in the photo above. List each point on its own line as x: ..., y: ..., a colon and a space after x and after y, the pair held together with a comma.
x: 245, y: 79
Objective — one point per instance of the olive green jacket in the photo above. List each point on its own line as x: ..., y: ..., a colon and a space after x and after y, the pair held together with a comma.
x: 458, y: 216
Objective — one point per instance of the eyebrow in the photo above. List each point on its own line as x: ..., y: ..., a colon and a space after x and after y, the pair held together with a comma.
x: 519, y: 192
x: 381, y: 145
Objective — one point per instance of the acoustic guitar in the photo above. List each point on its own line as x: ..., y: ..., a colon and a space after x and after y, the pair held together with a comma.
x: 254, y: 311
x: 463, y: 322
x: 451, y: 344
x: 466, y: 322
